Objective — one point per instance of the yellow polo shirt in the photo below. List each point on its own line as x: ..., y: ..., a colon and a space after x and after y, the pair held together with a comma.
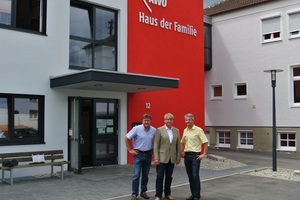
x: 193, y: 139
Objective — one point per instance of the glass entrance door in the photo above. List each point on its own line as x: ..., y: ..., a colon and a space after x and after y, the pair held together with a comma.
x: 74, y: 135
x: 106, y: 145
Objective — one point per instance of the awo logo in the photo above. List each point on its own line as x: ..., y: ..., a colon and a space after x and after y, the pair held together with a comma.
x: 162, y: 3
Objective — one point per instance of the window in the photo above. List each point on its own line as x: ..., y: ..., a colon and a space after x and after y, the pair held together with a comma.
x: 93, y: 37
x: 294, y: 24
x: 207, y: 134
x: 216, y: 92
x: 223, y: 138
x: 207, y: 46
x: 21, y: 119
x: 287, y: 140
x: 240, y: 90
x: 271, y: 29
x: 295, y: 77
x: 245, y: 139
x: 29, y: 15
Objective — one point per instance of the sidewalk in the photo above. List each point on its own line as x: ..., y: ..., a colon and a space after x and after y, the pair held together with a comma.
x: 114, y: 182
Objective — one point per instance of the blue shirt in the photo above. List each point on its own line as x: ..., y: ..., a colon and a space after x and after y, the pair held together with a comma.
x: 142, y: 139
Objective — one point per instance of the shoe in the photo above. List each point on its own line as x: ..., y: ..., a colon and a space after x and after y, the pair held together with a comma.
x: 157, y: 198
x: 169, y: 197
x: 144, y: 195
x: 134, y: 197
x: 190, y: 198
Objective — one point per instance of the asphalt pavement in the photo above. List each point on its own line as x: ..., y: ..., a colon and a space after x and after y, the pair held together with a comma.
x: 114, y: 182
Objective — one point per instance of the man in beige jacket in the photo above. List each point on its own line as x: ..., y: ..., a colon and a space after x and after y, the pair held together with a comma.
x: 166, y: 154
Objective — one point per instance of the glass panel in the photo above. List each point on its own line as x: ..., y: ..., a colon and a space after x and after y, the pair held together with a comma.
x: 3, y: 118
x: 105, y: 149
x: 75, y: 136
x: 221, y: 140
x: 80, y: 24
x: 296, y: 91
x: 28, y: 14
x: 24, y: 126
x: 80, y: 53
x: 243, y: 141
x: 283, y: 136
x: 250, y: 135
x: 292, y: 143
x: 292, y: 136
x: 227, y: 141
x: 111, y: 109
x: 243, y: 135
x: 283, y: 143
x: 105, y: 25
x: 5, y: 12
x: 241, y: 90
x: 250, y: 142
x: 296, y: 71
x: 105, y: 57
x: 101, y: 109
x: 217, y: 91
x: 227, y: 134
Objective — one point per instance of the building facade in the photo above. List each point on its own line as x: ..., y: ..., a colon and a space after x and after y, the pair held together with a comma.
x: 249, y: 37
x: 77, y: 75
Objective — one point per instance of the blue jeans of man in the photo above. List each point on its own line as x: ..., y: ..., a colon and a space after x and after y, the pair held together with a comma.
x: 142, y: 164
x: 164, y: 169
x: 192, y: 166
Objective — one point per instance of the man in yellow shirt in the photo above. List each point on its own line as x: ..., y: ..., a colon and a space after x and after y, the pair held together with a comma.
x: 191, y: 145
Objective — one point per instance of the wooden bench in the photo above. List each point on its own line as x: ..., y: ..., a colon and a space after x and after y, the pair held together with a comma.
x: 52, y: 158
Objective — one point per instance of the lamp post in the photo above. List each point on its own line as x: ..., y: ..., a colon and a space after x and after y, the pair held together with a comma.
x: 273, y: 82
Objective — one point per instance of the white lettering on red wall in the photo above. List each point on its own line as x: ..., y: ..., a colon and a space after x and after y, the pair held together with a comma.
x: 162, y: 22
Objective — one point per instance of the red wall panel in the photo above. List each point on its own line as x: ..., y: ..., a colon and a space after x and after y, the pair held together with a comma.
x: 171, y: 52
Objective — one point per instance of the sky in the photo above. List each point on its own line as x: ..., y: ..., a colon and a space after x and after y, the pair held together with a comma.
x: 210, y: 2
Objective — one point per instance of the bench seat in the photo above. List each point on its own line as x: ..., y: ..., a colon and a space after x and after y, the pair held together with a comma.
x: 52, y: 158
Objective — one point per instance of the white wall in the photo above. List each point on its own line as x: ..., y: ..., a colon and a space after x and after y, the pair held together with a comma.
x: 28, y: 61
x: 239, y: 56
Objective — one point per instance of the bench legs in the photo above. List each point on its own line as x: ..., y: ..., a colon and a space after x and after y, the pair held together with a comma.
x: 11, y: 174
x: 11, y: 180
x: 61, y: 170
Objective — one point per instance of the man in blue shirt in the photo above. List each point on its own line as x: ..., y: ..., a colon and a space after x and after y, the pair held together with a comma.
x: 142, y: 136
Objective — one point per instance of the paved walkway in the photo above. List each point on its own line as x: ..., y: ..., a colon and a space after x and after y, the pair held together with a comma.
x: 114, y: 182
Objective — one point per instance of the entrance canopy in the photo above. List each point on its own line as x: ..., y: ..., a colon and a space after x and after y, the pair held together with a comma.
x: 92, y: 79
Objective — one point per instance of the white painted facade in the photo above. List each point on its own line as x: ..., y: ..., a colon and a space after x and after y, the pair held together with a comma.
x: 240, y: 56
x: 29, y: 60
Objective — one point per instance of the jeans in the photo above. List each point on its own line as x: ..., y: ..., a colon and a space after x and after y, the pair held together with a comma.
x: 192, y: 166
x: 164, y: 169
x: 142, y: 163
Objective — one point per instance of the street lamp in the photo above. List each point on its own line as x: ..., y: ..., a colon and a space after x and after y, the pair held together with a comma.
x: 273, y: 82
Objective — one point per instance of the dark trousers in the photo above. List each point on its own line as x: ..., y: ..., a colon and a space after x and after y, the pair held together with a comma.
x: 192, y: 166
x: 164, y: 170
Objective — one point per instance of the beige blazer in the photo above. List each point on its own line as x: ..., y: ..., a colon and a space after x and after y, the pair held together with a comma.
x: 164, y: 151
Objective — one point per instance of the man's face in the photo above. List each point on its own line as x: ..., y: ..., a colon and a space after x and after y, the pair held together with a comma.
x: 169, y: 121
x: 146, y: 122
x: 189, y: 121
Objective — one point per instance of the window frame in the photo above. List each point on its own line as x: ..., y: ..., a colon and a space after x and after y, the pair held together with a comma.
x: 245, y: 146
x: 292, y: 80
x: 290, y: 32
x: 212, y: 92
x: 11, y: 140
x: 271, y: 33
x: 286, y: 148
x: 235, y: 89
x: 91, y: 8
x: 224, y: 144
x: 42, y: 22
